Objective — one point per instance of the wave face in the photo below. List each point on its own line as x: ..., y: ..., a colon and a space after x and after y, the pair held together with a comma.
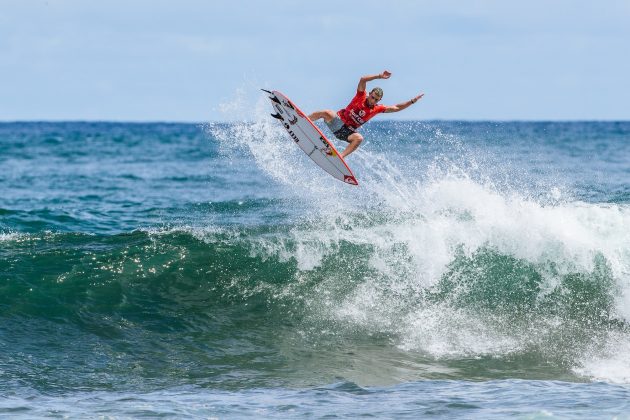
x: 155, y: 256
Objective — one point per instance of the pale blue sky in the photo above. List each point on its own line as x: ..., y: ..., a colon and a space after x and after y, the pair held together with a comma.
x: 190, y: 60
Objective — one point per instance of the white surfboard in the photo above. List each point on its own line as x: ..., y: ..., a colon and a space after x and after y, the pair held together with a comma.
x: 310, y: 138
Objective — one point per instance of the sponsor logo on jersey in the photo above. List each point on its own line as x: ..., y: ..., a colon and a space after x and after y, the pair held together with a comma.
x: 357, y: 118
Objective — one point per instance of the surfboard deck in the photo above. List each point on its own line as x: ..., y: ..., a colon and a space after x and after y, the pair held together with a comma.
x: 310, y: 138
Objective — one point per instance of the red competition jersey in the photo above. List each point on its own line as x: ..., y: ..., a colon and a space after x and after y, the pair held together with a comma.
x: 357, y: 112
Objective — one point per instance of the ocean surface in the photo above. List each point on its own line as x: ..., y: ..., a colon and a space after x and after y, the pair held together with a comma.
x: 479, y: 270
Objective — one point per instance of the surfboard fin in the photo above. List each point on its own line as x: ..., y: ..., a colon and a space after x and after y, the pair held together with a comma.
x: 272, y: 97
x: 277, y: 116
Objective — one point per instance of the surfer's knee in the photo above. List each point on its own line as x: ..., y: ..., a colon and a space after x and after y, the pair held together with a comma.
x: 326, y: 114
x: 329, y: 114
x: 355, y: 138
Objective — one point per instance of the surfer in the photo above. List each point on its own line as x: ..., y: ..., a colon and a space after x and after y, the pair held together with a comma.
x: 345, y: 123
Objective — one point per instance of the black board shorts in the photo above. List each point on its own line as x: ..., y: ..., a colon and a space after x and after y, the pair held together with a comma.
x: 340, y: 130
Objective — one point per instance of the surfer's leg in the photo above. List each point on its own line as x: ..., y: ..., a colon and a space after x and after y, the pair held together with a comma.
x: 355, y: 140
x: 326, y: 114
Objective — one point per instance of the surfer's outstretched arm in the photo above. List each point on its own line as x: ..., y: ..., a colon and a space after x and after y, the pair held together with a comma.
x: 403, y: 105
x: 363, y: 82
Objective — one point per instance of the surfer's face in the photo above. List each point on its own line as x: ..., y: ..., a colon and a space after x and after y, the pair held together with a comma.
x: 372, y: 99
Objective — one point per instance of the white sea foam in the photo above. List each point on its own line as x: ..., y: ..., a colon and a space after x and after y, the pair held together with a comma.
x: 431, y: 222
x: 607, y: 361
x: 453, y: 215
x: 10, y: 236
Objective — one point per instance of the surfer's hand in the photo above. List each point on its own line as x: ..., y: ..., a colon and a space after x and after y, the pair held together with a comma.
x: 385, y: 75
x: 414, y: 100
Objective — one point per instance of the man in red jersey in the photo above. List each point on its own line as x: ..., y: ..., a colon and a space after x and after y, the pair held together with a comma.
x: 345, y: 123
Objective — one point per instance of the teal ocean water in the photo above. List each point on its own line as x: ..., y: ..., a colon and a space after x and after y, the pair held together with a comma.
x: 479, y: 270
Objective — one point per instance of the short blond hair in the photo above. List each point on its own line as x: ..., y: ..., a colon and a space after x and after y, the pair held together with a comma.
x: 378, y: 92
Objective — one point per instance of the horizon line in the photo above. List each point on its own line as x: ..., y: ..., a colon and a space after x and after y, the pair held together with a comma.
x: 191, y: 122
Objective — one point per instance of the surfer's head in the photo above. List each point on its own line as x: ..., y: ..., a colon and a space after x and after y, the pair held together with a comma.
x: 375, y: 95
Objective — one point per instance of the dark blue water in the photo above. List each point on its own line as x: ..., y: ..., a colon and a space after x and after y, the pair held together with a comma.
x: 479, y: 270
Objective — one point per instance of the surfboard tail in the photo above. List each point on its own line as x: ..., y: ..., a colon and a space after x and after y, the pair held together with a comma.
x: 272, y: 96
